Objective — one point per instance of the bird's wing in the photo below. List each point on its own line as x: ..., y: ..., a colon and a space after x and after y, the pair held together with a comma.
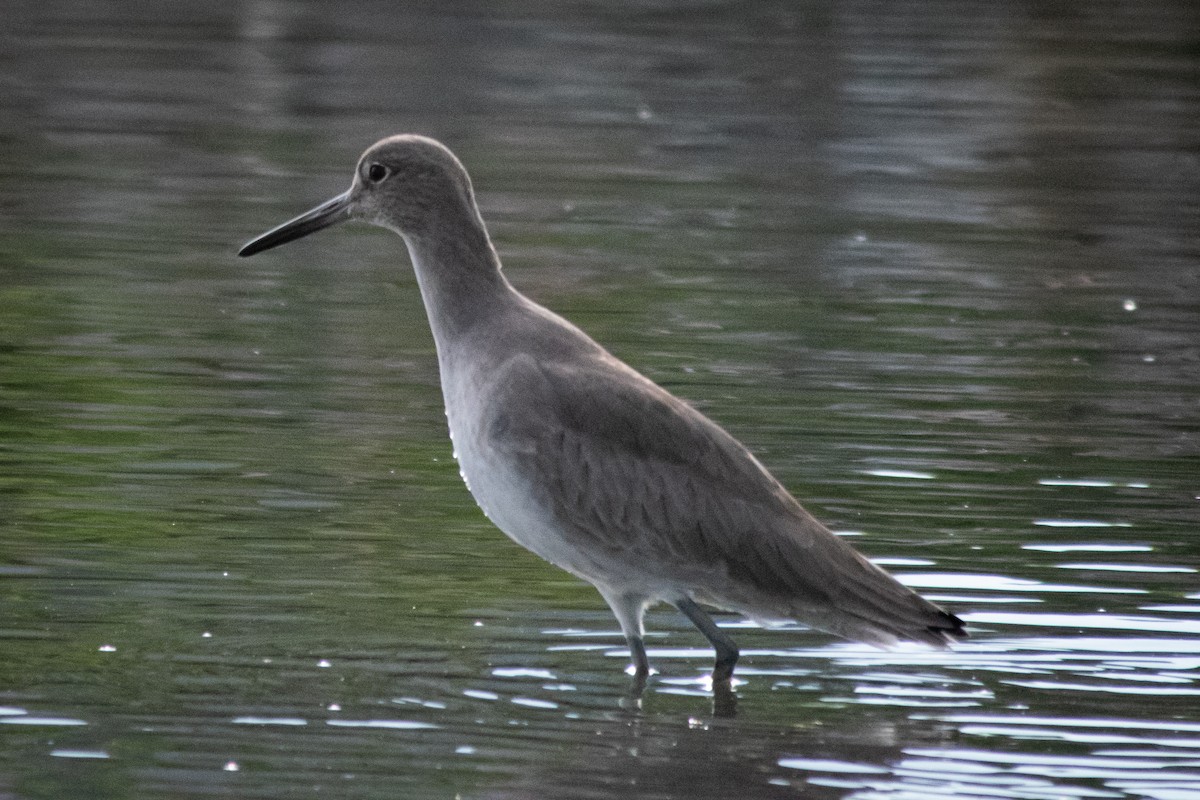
x: 631, y: 469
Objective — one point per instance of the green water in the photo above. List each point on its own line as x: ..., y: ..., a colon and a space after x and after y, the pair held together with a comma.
x: 936, y: 264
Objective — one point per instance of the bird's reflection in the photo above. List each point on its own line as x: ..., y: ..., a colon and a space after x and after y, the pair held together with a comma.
x: 648, y: 753
x: 724, y: 697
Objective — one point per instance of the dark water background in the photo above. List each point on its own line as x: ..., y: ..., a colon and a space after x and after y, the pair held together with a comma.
x: 938, y: 264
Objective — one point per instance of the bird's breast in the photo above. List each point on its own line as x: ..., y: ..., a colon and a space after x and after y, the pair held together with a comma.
x: 489, y: 452
x: 500, y: 488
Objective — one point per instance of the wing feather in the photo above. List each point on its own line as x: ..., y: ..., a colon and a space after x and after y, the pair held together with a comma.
x: 633, y: 471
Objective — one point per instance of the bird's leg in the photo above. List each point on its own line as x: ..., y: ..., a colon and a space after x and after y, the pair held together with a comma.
x: 628, y: 609
x: 727, y: 651
x: 641, y: 671
x: 641, y: 664
x: 724, y: 700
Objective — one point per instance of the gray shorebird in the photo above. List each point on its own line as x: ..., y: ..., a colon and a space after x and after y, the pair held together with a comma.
x: 590, y: 465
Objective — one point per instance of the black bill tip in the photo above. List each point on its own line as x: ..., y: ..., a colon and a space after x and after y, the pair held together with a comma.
x: 328, y: 213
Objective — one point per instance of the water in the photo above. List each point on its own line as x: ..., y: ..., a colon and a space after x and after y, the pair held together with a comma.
x: 936, y: 264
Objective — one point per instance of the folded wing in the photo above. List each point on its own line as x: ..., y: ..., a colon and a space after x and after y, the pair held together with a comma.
x: 632, y: 470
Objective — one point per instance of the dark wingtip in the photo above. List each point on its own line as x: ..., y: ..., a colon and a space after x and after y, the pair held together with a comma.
x: 950, y: 630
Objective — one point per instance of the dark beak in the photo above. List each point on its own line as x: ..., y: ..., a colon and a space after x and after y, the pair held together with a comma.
x: 328, y: 213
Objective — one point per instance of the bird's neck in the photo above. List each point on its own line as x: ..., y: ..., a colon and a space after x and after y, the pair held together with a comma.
x: 458, y: 272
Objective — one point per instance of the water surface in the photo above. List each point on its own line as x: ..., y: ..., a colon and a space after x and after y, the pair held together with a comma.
x: 937, y: 265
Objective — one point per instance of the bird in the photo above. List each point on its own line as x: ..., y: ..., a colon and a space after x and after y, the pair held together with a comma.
x: 582, y: 460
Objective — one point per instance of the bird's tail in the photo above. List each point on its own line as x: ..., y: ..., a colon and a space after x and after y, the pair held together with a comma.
x: 869, y: 605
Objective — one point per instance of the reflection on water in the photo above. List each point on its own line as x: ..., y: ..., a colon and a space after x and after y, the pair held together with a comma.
x: 935, y: 264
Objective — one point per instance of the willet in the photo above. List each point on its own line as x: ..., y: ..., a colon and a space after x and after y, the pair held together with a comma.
x: 590, y: 465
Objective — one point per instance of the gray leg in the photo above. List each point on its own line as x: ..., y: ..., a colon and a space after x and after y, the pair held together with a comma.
x: 641, y: 671
x: 628, y: 610
x: 727, y: 651
x: 641, y: 664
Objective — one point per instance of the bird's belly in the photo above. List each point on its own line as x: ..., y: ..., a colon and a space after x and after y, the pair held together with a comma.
x: 509, y: 494
x: 521, y: 512
x: 513, y: 506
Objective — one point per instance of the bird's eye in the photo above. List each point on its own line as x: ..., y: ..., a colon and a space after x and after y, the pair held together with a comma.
x: 376, y: 173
